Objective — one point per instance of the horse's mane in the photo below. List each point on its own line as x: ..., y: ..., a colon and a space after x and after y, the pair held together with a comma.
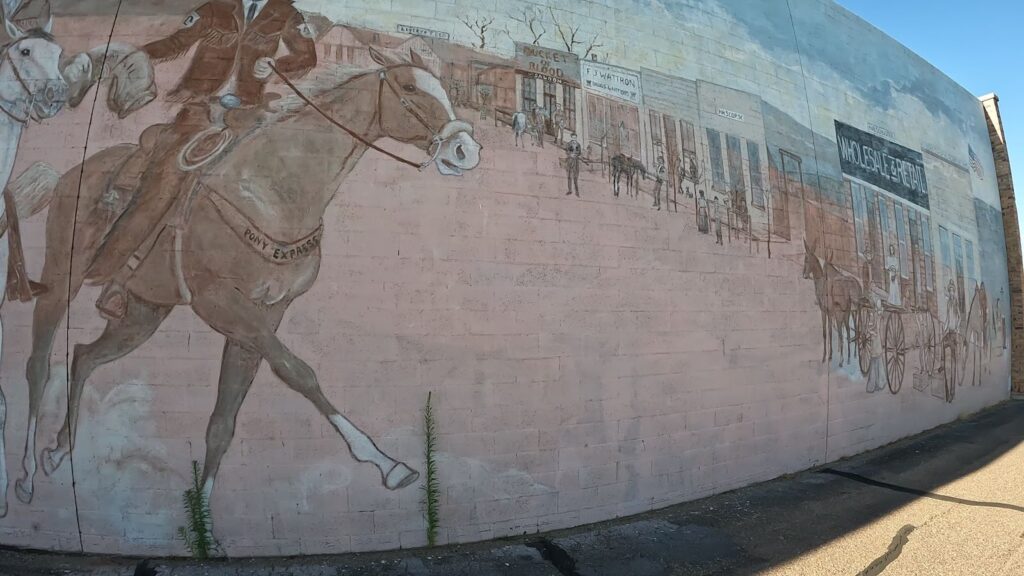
x: 321, y: 80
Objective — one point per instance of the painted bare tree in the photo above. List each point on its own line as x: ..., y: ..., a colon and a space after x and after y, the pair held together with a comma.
x: 479, y: 26
x: 531, y: 18
x: 571, y: 36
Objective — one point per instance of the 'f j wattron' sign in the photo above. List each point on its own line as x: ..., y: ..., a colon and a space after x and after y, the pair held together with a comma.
x: 885, y: 164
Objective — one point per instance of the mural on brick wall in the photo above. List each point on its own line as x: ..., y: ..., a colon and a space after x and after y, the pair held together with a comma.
x: 586, y: 250
x: 156, y: 218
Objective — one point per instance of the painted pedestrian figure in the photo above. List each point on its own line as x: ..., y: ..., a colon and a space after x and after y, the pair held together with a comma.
x: 659, y: 182
x: 676, y: 187
x: 702, y: 213
x: 538, y: 126
x: 892, y: 268
x: 520, y: 124
x: 558, y: 120
x: 952, y: 307
x: 865, y: 271
x: 681, y: 186
x: 718, y: 222
x: 573, y: 151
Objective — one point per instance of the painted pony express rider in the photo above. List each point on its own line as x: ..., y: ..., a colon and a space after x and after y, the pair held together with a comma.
x: 223, y: 88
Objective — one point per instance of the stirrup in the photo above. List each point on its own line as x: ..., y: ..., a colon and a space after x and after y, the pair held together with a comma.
x: 113, y: 301
x: 38, y: 288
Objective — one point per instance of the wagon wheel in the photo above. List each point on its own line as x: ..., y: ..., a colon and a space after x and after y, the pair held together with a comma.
x: 949, y: 364
x: 863, y: 341
x: 895, y: 351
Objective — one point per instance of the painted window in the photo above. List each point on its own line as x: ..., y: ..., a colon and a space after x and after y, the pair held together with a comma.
x: 754, y: 164
x: 625, y: 124
x: 901, y: 239
x: 947, y: 255
x: 672, y: 158
x: 793, y: 185
x: 689, y: 143
x: 958, y: 268
x: 569, y: 106
x: 859, y: 217
x: 874, y: 243
x: 689, y: 139
x: 885, y: 231
x: 657, y: 142
x: 972, y: 279
x: 529, y: 94
x: 655, y: 120
x: 736, y: 180
x: 916, y: 256
x: 717, y: 161
x: 929, y: 253
x: 550, y: 96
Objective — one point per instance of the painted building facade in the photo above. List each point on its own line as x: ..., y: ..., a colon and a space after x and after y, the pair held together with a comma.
x: 766, y: 250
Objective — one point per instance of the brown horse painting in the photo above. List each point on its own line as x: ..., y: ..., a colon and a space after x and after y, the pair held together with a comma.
x: 248, y: 249
x: 838, y: 294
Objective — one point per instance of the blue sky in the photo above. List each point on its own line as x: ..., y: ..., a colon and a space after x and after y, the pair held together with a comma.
x: 979, y: 49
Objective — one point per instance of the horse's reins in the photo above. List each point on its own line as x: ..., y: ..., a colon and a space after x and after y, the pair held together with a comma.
x: 24, y: 86
x: 384, y: 79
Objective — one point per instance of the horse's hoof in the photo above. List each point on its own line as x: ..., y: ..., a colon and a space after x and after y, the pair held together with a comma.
x: 400, y: 476
x: 50, y: 465
x: 23, y: 494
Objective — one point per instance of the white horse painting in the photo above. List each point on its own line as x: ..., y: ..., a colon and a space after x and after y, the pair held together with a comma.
x: 31, y: 88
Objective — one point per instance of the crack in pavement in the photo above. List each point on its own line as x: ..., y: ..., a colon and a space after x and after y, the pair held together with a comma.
x: 895, y: 549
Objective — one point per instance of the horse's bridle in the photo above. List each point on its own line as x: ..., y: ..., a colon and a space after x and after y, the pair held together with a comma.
x: 4, y: 105
x: 437, y: 137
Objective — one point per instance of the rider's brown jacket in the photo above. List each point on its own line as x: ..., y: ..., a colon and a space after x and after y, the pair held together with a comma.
x: 223, y: 36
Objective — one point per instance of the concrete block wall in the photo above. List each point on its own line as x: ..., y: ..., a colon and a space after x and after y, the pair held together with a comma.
x: 589, y: 357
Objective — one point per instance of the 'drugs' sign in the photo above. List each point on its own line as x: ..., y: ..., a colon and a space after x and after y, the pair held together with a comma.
x: 885, y: 164
x: 611, y: 81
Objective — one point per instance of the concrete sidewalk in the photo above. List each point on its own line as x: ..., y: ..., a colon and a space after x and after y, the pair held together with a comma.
x: 949, y: 501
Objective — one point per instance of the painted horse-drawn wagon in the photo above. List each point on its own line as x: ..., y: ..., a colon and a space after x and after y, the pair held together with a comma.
x: 943, y: 348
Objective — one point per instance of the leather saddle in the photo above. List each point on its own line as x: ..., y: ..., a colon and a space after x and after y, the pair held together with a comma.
x: 206, y: 146
x: 209, y: 143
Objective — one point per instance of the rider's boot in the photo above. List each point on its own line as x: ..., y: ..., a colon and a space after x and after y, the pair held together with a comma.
x: 113, y: 301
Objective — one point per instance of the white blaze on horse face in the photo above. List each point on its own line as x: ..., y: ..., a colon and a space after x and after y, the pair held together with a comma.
x: 459, y: 152
x: 430, y: 85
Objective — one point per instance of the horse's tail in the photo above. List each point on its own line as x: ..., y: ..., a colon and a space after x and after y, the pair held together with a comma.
x: 32, y: 191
